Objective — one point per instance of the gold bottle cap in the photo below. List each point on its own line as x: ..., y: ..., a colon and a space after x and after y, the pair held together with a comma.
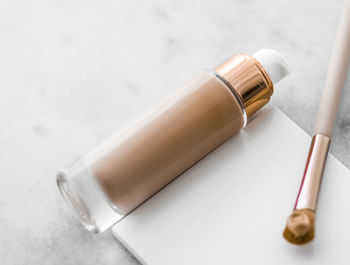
x: 250, y: 79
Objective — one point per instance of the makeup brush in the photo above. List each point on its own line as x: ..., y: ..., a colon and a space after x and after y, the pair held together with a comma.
x: 300, y: 227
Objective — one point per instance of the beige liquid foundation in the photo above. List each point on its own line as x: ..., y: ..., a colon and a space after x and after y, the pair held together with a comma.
x: 119, y: 175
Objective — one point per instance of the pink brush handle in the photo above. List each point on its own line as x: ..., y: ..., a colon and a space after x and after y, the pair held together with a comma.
x: 336, y: 75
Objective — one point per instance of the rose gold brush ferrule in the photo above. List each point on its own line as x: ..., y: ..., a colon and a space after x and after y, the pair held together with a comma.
x: 311, y: 182
x: 248, y: 80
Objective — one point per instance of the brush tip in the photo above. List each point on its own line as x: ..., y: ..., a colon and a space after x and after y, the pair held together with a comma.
x: 300, y: 227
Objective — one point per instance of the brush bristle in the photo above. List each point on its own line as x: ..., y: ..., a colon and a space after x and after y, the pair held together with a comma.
x: 300, y: 227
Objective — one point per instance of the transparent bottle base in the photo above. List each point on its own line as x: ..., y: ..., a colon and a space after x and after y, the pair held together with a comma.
x: 83, y: 194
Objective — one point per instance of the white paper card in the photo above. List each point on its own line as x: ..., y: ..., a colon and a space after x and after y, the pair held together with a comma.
x: 231, y: 207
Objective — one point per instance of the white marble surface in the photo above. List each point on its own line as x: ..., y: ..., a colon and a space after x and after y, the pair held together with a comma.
x: 72, y: 72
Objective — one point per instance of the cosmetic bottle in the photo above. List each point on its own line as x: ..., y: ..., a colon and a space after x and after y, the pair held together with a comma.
x: 116, y: 177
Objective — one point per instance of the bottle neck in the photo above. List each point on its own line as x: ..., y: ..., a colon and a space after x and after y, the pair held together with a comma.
x: 249, y: 79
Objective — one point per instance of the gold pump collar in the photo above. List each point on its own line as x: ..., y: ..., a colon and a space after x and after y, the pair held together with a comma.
x: 249, y: 79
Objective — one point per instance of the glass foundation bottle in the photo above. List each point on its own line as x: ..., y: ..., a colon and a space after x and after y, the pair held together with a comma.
x: 110, y: 181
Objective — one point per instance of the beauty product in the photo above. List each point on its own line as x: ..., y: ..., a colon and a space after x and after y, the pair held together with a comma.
x: 300, y: 227
x: 116, y: 177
